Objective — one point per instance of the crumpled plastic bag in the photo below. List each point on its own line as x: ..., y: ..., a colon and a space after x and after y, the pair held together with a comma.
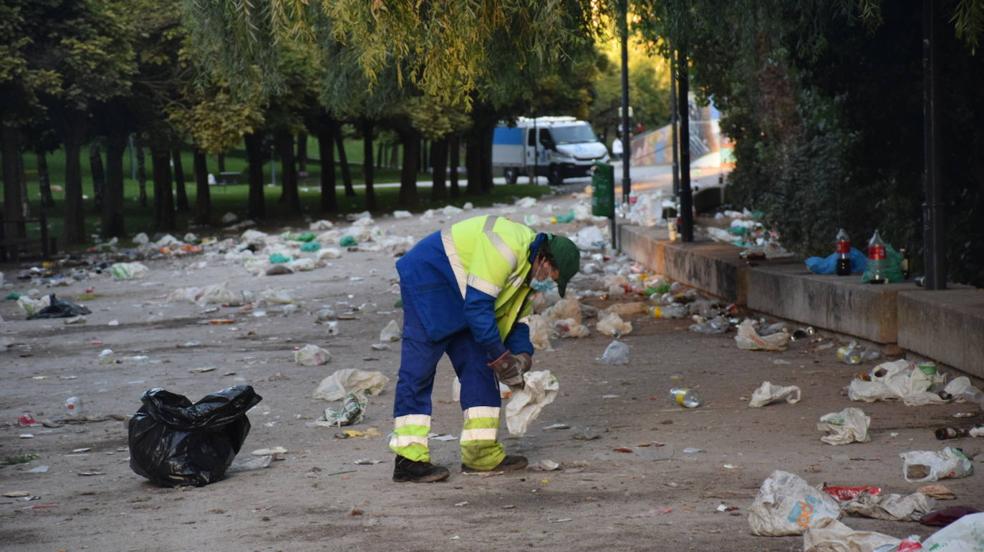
x: 569, y: 328
x: 350, y: 380
x: 588, y: 238
x: 767, y: 393
x: 302, y: 265
x: 962, y: 535
x: 749, y: 339
x: 900, y: 380
x: 716, y: 325
x: 352, y: 412
x: 57, y: 308
x: 391, y: 333
x: 32, y: 306
x: 539, y: 332
x: 128, y: 271
x: 219, y: 294
x: 174, y: 442
x: 321, y: 225
x: 847, y: 426
x: 891, y: 507
x: 275, y: 297
x: 625, y: 310
x: 568, y: 308
x: 612, y: 325
x: 830, y: 535
x: 540, y: 389
x: 616, y: 354
x: 311, y: 355
x: 928, y: 465
x: 329, y: 253
x: 828, y: 264
x: 787, y: 505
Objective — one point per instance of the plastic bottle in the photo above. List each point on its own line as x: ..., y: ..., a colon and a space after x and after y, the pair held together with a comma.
x: 73, y: 407
x: 876, y: 259
x: 906, y: 264
x: 687, y: 398
x: 843, y: 253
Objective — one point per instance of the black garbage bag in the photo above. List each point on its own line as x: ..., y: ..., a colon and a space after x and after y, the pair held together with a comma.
x: 173, y: 442
x: 60, y: 309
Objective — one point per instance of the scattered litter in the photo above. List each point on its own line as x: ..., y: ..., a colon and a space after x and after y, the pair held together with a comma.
x: 853, y: 353
x: 725, y: 508
x: 716, y: 325
x: 390, y: 333
x: 926, y: 465
x: 174, y: 442
x: 367, y: 462
x: 847, y: 426
x: 460, y: 504
x: 749, y: 340
x: 903, y: 380
x: 16, y: 494
x: 311, y: 355
x: 249, y: 463
x: 613, y: 326
x: 830, y: 535
x: 963, y: 534
x: 540, y: 389
x: 946, y: 516
x: 939, y: 492
x: 91, y: 473
x: 32, y: 306
x: 277, y: 453
x: 547, y: 465
x: 128, y: 271
x: 202, y: 370
x: 891, y: 507
x: 352, y: 412
x: 38, y: 469
x: 944, y: 433
x: 539, y: 332
x: 556, y: 426
x: 616, y: 354
x: 58, y: 308
x: 788, y: 505
x: 685, y: 397
x: 846, y: 494
x: 568, y: 328
x: 442, y: 437
x: 767, y: 393
x: 692, y: 450
x: 350, y: 380
x: 525, y: 203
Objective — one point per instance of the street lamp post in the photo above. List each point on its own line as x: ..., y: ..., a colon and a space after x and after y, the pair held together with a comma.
x: 626, y: 140
x: 933, y: 240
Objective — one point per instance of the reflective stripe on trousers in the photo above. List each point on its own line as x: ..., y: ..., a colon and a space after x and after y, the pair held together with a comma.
x: 409, y: 437
x: 479, y: 448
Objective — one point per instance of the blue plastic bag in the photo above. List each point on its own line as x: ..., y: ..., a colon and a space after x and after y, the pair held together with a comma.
x: 828, y: 264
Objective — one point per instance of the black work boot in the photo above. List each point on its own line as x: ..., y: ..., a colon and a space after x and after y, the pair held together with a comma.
x: 512, y: 462
x: 418, y: 472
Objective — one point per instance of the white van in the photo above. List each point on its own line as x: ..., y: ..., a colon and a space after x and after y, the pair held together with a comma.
x: 555, y: 147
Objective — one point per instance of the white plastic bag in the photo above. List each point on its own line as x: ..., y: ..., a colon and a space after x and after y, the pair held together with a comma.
x: 540, y: 390
x: 390, y: 333
x: 788, y: 505
x: 613, y: 326
x: 767, y: 393
x: 749, y: 340
x: 564, y: 309
x: 568, y: 327
x: 275, y: 297
x: 304, y: 264
x: 349, y: 380
x: 830, y: 535
x: 847, y: 426
x: 219, y: 294
x: 321, y: 225
x: 964, y: 535
x: 329, y: 253
x: 588, y: 238
x: 402, y: 214
x: 539, y: 332
x: 128, y: 271
x: 927, y: 465
x: 900, y: 380
x: 311, y: 355
x: 526, y: 202
x: 892, y: 507
x: 32, y: 306
x: 627, y: 309
x: 616, y: 354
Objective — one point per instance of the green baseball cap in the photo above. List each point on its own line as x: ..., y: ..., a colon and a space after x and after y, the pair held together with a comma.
x: 566, y: 257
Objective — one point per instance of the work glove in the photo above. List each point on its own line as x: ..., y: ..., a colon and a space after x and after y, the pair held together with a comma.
x: 508, y: 368
x: 525, y: 362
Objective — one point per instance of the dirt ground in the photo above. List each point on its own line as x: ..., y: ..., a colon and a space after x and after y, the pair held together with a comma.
x: 656, y: 497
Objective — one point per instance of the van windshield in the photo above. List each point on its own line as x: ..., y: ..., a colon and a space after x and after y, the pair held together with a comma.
x: 574, y: 134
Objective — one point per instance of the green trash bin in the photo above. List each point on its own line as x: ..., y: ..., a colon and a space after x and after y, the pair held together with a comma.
x: 603, y: 191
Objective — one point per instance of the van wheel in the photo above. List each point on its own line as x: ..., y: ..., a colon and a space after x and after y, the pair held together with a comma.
x: 511, y: 176
x: 556, y: 177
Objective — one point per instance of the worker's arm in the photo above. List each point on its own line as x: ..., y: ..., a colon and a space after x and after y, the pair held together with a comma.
x: 480, y: 315
x: 518, y: 340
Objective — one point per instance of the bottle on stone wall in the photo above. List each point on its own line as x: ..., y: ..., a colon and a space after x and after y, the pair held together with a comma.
x: 843, y: 253
x: 876, y: 260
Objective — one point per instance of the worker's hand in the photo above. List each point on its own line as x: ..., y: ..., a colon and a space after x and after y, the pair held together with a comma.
x: 525, y: 362
x: 508, y: 369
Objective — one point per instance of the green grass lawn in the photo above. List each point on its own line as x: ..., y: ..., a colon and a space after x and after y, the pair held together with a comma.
x: 233, y: 198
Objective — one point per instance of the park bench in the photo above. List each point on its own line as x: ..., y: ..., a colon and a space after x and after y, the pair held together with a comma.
x: 227, y: 178
x: 11, y: 248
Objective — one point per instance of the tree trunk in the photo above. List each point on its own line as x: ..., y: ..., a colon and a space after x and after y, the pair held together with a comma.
x: 141, y: 172
x: 289, y: 194
x: 380, y: 156
x: 326, y: 151
x: 98, y: 175
x: 112, y: 205
x: 179, y: 180
x: 44, y: 179
x: 439, y: 168
x: 424, y: 156
x: 164, y: 218
x: 473, y: 148
x: 221, y: 160
x: 408, y: 172
x: 74, y: 217
x: 343, y: 161
x: 302, y: 158
x: 367, y: 165
x: 454, y: 145
x: 254, y: 152
x: 13, y: 201
x: 203, y: 196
